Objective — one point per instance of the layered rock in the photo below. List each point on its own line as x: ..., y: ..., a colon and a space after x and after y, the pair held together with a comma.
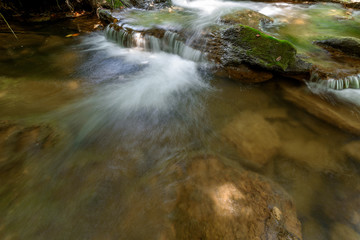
x: 337, y: 115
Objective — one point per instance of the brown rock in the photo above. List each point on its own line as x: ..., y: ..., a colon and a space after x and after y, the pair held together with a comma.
x: 244, y: 74
x: 337, y: 115
x: 314, y: 154
x: 254, y: 138
x: 219, y: 201
x: 353, y: 150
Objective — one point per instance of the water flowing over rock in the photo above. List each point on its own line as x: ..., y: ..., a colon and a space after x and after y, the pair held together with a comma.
x: 352, y: 81
x: 238, y: 51
x: 246, y: 17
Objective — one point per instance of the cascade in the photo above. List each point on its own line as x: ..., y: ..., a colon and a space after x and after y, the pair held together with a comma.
x: 169, y: 43
x: 342, y: 83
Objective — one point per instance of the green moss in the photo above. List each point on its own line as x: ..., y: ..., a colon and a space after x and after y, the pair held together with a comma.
x: 262, y: 49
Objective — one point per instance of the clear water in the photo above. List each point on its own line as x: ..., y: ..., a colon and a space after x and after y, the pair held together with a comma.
x: 120, y: 116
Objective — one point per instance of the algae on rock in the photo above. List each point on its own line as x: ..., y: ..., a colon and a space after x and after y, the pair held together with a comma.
x: 259, y: 49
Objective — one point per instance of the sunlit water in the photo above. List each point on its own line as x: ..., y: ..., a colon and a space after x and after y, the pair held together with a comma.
x: 120, y: 116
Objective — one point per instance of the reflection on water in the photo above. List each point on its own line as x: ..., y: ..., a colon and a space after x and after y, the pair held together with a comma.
x: 120, y: 144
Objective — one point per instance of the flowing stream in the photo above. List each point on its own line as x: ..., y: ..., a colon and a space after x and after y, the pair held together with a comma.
x: 89, y: 125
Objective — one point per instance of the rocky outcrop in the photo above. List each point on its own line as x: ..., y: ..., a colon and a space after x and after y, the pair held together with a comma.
x: 348, y: 45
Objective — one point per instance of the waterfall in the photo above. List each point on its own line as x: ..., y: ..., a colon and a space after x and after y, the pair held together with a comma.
x: 352, y: 81
x: 170, y: 43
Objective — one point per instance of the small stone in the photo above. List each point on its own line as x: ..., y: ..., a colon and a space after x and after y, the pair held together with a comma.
x: 276, y: 213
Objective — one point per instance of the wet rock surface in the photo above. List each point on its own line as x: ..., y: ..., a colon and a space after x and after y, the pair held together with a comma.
x: 255, y: 48
x: 347, y: 45
x: 246, y: 17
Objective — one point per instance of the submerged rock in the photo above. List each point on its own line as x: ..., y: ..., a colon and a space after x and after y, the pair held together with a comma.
x: 215, y: 199
x: 352, y: 150
x: 19, y: 138
x: 347, y: 45
x: 254, y: 138
x: 225, y: 202
x: 341, y: 231
x: 313, y: 154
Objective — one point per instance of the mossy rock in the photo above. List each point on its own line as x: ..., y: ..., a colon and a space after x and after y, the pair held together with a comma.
x: 246, y: 17
x: 248, y: 45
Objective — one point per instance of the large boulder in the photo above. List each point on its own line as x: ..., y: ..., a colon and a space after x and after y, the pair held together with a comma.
x: 247, y: 54
x: 221, y: 201
x: 248, y: 45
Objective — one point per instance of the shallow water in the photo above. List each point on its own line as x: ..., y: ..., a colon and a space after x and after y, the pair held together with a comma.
x: 116, y: 118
